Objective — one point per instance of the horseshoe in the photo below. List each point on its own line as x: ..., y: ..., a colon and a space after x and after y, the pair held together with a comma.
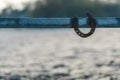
x: 91, y: 22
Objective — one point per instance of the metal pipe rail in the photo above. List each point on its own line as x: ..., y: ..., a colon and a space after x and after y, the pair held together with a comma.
x: 74, y: 22
x: 57, y: 22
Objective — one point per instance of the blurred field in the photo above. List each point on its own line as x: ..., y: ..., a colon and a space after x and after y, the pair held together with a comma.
x: 59, y: 54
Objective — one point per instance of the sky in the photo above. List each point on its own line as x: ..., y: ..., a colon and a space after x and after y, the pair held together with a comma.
x: 20, y: 4
x: 109, y: 1
x: 15, y: 4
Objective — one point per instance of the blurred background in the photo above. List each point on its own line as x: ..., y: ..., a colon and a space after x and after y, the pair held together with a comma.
x: 59, y: 54
x: 59, y: 8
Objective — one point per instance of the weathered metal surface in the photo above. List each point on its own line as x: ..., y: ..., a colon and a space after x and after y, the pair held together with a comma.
x: 56, y: 22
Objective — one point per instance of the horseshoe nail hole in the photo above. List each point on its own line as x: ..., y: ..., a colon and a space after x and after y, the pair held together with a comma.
x: 92, y: 31
x: 82, y: 35
x: 77, y: 31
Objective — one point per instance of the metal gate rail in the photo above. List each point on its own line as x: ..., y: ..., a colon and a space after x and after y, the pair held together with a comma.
x: 101, y: 22
x: 75, y: 22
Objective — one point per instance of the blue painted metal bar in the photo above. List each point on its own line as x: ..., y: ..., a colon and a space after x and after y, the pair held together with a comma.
x: 56, y: 22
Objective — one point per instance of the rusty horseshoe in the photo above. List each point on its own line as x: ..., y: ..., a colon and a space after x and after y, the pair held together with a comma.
x: 91, y: 23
